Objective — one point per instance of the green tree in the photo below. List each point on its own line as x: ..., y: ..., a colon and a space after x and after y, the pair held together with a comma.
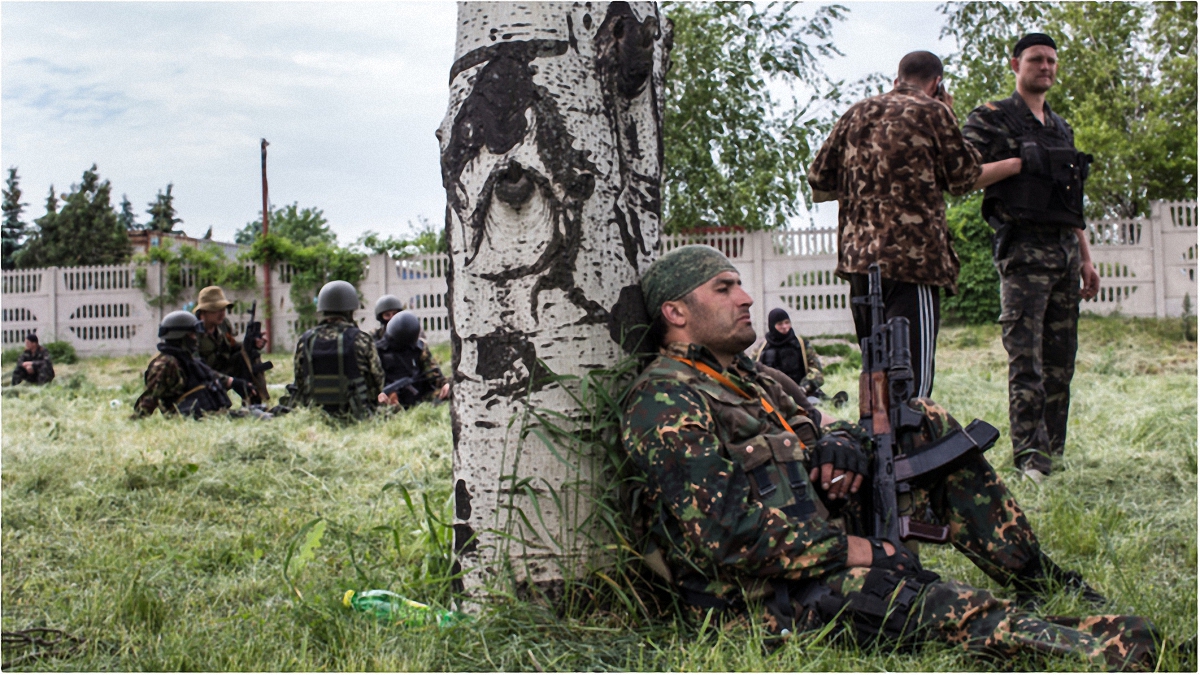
x: 313, y: 265
x: 162, y: 211
x: 426, y: 238
x: 305, y: 227
x: 84, y: 232
x: 127, y: 217
x: 1126, y: 84
x: 13, y: 228
x: 736, y: 155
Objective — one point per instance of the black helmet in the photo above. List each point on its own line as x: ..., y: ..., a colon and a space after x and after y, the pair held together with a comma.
x: 178, y: 325
x: 337, y: 296
x: 386, y: 304
x: 403, y: 329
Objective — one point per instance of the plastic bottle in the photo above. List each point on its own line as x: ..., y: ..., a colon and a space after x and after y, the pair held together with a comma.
x: 399, y: 610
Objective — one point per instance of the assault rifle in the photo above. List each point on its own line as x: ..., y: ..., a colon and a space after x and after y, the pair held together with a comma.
x: 255, y: 366
x: 405, y: 389
x: 885, y: 388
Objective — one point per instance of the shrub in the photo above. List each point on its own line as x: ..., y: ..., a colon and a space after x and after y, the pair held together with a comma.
x: 61, y: 352
x: 978, y: 298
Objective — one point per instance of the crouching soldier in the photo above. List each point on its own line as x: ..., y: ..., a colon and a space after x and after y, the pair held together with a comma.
x: 34, y: 365
x: 336, y: 366
x: 177, y: 381
x: 410, y: 373
x: 740, y: 484
x: 385, y: 308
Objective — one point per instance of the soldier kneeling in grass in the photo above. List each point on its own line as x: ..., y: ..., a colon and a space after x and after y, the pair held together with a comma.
x: 34, y: 364
x: 177, y: 381
x: 742, y: 486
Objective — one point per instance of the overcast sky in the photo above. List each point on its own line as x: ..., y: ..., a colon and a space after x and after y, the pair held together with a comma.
x: 348, y: 94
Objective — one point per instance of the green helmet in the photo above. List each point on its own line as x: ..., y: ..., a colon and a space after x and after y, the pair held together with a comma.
x: 337, y: 296
x: 386, y: 304
x: 178, y: 325
x: 404, y: 329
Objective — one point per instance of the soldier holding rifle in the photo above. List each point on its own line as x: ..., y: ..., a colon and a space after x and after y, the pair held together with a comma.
x: 741, y: 495
x: 220, y: 350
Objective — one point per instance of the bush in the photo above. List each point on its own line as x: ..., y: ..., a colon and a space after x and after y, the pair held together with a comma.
x: 10, y: 356
x: 61, y: 352
x: 978, y: 298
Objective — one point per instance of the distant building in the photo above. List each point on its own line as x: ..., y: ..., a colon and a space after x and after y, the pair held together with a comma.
x: 140, y: 241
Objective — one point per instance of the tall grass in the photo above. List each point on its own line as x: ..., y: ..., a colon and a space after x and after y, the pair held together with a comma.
x: 228, y: 544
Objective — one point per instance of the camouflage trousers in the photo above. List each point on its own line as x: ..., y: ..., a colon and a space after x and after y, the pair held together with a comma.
x: 1039, y: 301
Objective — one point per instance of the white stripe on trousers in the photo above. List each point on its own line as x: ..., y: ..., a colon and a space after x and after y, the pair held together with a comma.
x: 926, y: 337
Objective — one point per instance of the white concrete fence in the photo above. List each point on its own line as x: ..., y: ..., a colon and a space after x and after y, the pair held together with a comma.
x: 1147, y: 266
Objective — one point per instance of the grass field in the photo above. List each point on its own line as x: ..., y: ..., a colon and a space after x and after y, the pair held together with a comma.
x: 168, y: 544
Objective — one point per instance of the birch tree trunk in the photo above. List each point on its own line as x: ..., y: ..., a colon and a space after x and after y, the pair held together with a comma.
x: 551, y: 160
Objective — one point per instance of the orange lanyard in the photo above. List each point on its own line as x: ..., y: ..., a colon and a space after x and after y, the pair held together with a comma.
x: 728, y: 384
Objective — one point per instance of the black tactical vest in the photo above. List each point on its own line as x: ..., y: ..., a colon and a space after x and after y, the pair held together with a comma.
x: 403, y: 362
x: 788, y: 358
x: 335, y: 382
x: 1048, y: 193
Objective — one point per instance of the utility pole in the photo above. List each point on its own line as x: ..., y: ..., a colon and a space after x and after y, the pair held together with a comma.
x: 266, y: 211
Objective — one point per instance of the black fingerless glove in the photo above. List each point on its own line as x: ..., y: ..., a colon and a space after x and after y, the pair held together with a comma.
x: 840, y: 449
x: 903, y: 560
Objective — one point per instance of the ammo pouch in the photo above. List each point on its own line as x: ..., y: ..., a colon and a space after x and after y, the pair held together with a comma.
x: 777, y: 477
x: 335, y: 381
x: 876, y: 612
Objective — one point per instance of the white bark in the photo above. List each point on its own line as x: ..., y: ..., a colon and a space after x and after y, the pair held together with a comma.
x: 551, y: 160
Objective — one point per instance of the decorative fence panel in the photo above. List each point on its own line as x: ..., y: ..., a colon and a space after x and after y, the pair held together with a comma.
x: 1147, y: 267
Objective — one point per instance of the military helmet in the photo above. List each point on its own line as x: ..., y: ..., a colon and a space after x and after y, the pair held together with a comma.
x: 403, y: 329
x: 178, y: 325
x: 337, y: 296
x: 386, y: 304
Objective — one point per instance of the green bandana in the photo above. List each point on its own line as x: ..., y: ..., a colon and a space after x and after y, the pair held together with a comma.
x: 679, y: 272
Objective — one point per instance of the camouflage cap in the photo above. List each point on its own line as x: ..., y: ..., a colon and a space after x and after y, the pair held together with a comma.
x: 679, y: 272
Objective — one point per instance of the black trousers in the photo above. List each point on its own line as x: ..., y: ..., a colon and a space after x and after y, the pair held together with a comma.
x: 921, y: 304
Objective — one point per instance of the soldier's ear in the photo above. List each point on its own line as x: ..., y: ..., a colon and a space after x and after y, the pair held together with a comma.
x: 675, y: 313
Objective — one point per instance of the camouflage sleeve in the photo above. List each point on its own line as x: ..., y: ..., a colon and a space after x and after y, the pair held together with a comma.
x: 814, y: 378
x: 45, y: 370
x: 823, y: 173
x: 668, y: 431
x: 961, y: 162
x: 367, y: 354
x: 300, y: 366
x: 431, y: 370
x: 163, y: 380
x: 987, y: 134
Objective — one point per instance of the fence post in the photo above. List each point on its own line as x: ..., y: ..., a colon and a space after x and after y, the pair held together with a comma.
x: 1158, y: 259
x: 53, y: 287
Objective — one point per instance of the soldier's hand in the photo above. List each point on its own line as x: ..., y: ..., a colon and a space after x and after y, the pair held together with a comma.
x: 28, y: 367
x: 840, y: 464
x: 382, y: 397
x: 444, y: 392
x: 837, y: 483
x: 260, y: 343
x: 1091, y: 281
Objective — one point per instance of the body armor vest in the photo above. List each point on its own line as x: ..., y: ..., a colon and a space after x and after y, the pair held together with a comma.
x: 335, y: 382
x: 402, y: 362
x: 1049, y: 190
x: 202, y: 391
x: 788, y: 358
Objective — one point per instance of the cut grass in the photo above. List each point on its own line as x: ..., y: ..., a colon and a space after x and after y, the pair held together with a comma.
x: 163, y: 541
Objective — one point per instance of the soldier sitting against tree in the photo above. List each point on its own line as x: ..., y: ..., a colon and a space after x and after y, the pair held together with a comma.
x: 740, y: 484
x: 217, y: 347
x: 34, y: 364
x: 408, y: 366
x: 177, y: 381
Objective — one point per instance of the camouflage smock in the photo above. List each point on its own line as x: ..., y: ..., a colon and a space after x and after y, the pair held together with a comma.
x: 364, y: 352
x: 888, y: 160
x: 166, y: 381
x: 685, y: 432
x: 43, y: 367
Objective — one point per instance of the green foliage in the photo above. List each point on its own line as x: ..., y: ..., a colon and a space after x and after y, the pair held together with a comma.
x: 306, y: 227
x: 84, y: 232
x: 162, y: 212
x: 127, y: 217
x: 978, y: 298
x: 1126, y: 84
x: 427, y: 238
x: 13, y: 229
x: 62, y: 352
x: 209, y: 261
x: 313, y: 265
x: 734, y: 154
x: 10, y: 356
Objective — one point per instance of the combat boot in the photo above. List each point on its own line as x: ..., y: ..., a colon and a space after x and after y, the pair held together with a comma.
x: 1041, y: 577
x: 1034, y: 464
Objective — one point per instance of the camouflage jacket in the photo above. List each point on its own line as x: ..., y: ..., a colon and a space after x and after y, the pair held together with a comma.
x: 988, y: 130
x: 702, y: 504
x: 43, y: 367
x: 220, y: 350
x: 888, y: 160
x: 167, y: 380
x: 364, y: 352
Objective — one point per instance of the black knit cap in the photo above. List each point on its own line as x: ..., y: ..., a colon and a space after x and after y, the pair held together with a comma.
x: 1031, y: 40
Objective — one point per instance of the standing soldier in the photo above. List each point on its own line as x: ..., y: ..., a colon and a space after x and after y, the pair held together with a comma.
x: 34, y: 364
x: 218, y: 348
x: 336, y: 365
x: 887, y: 161
x: 385, y: 308
x: 411, y: 374
x: 179, y: 382
x: 1040, y: 250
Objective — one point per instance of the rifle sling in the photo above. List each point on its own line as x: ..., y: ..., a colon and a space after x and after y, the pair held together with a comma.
x: 946, y: 450
x: 728, y: 384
